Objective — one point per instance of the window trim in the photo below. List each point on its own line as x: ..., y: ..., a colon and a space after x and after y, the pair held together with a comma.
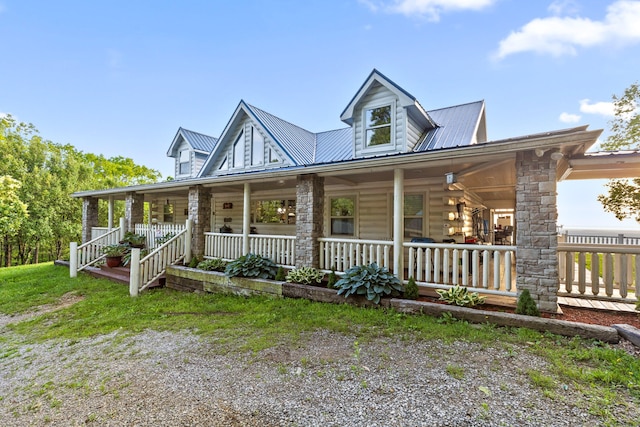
x: 354, y: 217
x: 405, y: 216
x: 239, y: 140
x: 186, y: 164
x: 259, y: 159
x: 392, y: 127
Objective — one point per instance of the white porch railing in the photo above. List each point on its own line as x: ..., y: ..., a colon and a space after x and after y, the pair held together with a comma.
x: 599, y: 271
x: 156, y: 231
x: 487, y: 269
x: 98, y: 231
x: 620, y: 239
x: 342, y: 254
x: 280, y: 249
x: 144, y: 271
x: 89, y: 253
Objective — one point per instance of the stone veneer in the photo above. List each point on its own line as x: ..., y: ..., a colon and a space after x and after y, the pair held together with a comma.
x: 200, y: 215
x: 89, y: 217
x: 309, y: 219
x: 134, y: 210
x: 536, y: 235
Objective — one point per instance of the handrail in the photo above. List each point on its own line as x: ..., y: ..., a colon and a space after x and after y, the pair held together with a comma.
x: 90, y: 252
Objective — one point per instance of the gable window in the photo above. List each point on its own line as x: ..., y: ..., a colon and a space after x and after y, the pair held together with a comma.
x: 273, y: 156
x: 257, y: 147
x: 224, y: 165
x: 413, y: 215
x: 343, y: 211
x: 184, y: 168
x: 238, y: 151
x: 378, y: 126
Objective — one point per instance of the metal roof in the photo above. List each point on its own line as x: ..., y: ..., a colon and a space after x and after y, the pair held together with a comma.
x: 457, y: 127
x: 334, y: 145
x: 199, y: 141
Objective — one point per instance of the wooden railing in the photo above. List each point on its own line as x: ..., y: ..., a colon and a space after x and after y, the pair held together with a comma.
x: 599, y: 271
x: 90, y: 253
x: 342, y: 254
x: 280, y: 249
x: 157, y: 231
x: 620, y: 239
x: 146, y: 270
x: 487, y: 269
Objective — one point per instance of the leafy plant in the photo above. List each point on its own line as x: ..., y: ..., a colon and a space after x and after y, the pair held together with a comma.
x: 126, y: 258
x: 411, y: 290
x: 164, y: 239
x: 115, y: 250
x: 369, y: 280
x: 281, y: 275
x: 305, y: 276
x: 252, y: 265
x: 215, y: 264
x: 526, y: 304
x: 332, y: 279
x: 194, y: 262
x: 460, y: 296
x: 133, y: 239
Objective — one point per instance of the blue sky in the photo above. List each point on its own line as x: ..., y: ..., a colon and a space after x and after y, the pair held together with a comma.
x: 119, y: 77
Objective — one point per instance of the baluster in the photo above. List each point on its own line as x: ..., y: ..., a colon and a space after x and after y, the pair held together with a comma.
x: 623, y: 275
x: 437, y: 265
x: 496, y: 269
x: 608, y: 274
x: 485, y: 269
x: 582, y: 268
x: 507, y: 270
x: 595, y: 273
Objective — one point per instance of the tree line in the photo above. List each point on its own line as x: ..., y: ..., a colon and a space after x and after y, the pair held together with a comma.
x: 38, y: 216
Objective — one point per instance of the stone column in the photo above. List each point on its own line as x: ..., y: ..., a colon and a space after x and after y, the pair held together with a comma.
x: 89, y: 217
x: 133, y: 210
x: 536, y: 235
x: 200, y: 215
x: 309, y: 219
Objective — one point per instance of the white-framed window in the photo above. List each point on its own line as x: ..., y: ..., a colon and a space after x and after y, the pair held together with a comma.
x: 413, y: 215
x: 273, y: 156
x: 377, y: 126
x: 257, y: 147
x: 224, y: 165
x: 184, y: 163
x: 273, y: 211
x: 238, y: 151
x: 342, y: 215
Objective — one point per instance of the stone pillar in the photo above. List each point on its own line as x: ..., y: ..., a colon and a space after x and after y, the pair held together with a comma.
x: 89, y: 217
x: 200, y: 215
x: 133, y: 210
x: 309, y: 219
x: 536, y: 234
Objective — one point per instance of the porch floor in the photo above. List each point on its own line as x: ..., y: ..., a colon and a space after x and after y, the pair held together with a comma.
x: 597, y: 304
x: 119, y: 275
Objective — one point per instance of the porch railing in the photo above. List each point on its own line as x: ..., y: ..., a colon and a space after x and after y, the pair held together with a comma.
x: 342, y: 254
x: 599, y: 271
x: 156, y: 231
x: 280, y: 249
x: 146, y: 270
x: 90, y: 253
x: 486, y: 268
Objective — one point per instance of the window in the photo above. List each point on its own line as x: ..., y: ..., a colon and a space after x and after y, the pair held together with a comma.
x: 224, y: 165
x: 274, y: 212
x: 378, y: 126
x: 343, y: 216
x: 413, y: 215
x: 184, y: 168
x: 168, y: 213
x: 273, y: 156
x: 257, y: 147
x: 238, y: 151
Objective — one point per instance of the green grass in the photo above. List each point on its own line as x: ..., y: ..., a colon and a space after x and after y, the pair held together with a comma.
x: 608, y: 378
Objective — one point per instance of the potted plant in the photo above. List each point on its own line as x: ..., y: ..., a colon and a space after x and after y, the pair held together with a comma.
x: 114, y: 254
x: 134, y: 240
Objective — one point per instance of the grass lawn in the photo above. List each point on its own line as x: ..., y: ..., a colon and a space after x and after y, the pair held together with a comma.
x: 608, y: 376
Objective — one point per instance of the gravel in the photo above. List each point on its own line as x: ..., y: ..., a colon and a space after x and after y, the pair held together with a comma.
x: 181, y: 379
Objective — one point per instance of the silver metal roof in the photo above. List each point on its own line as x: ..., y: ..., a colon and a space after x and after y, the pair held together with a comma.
x: 457, y: 126
x: 199, y: 141
x: 334, y: 145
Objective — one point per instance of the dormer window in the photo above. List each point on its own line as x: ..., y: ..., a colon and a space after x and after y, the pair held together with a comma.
x: 378, y: 126
x: 184, y: 168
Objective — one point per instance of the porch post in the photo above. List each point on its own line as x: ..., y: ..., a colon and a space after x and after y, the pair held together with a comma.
x: 536, y: 233
x: 398, y: 223
x: 309, y: 219
x: 200, y: 216
x: 134, y: 210
x: 89, y: 217
x: 246, y: 218
x: 110, y: 215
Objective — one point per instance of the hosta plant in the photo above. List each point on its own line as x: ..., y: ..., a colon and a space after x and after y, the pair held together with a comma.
x: 460, y: 295
x: 214, y: 264
x: 252, y: 265
x: 305, y: 276
x: 369, y: 280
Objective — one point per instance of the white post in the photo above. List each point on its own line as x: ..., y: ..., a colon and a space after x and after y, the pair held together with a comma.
x: 134, y: 276
x: 110, y: 218
x: 398, y: 223
x: 73, y: 260
x: 187, y: 242
x: 246, y: 218
x: 121, y: 229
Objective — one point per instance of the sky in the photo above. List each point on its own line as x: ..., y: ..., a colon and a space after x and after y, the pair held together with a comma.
x: 119, y: 77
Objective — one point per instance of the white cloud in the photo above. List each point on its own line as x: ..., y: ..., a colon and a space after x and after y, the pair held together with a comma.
x: 564, y: 7
x: 431, y: 9
x: 558, y: 36
x: 601, y: 108
x: 569, y: 118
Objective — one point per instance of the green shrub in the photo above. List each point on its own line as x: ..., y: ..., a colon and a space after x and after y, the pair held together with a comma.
x: 281, y: 274
x: 411, y: 290
x: 194, y: 262
x: 252, y: 265
x: 332, y: 279
x: 305, y: 276
x: 460, y: 295
x: 215, y: 264
x: 369, y: 280
x: 526, y: 304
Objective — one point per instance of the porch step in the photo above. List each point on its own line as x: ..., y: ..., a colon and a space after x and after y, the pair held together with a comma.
x: 120, y: 275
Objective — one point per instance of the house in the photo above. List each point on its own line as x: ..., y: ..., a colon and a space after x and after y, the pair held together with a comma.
x: 421, y: 191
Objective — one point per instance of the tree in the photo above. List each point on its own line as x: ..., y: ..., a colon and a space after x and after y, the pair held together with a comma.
x: 13, y: 212
x: 623, y: 195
